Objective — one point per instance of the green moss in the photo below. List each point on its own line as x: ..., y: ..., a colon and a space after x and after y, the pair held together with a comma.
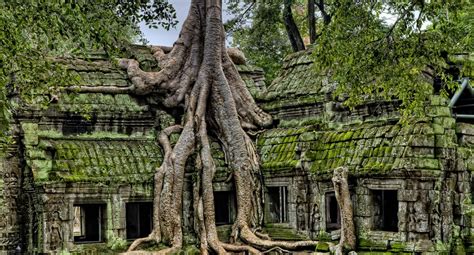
x: 445, y: 141
x: 377, y: 253
x: 324, y: 236
x: 190, y: 250
x: 116, y: 243
x: 397, y: 246
x: 300, y: 122
x: 283, y: 233
x: 445, y: 122
x: 41, y: 169
x: 372, y: 244
x: 322, y: 246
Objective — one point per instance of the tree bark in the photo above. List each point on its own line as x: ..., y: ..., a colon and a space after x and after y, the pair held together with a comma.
x: 343, y: 196
x: 291, y: 28
x: 311, y: 22
x: 322, y: 8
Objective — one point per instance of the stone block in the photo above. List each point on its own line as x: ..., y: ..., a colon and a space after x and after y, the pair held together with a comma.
x: 426, y: 163
x: 463, y: 152
x: 445, y: 141
x: 364, y: 207
x: 422, y: 226
x: 460, y: 165
x: 445, y: 122
x: 420, y: 152
x: 426, y: 185
x: 372, y: 244
x: 422, y: 140
x: 424, y: 245
x: 438, y: 129
x: 465, y: 128
x: 466, y: 140
x: 438, y: 100
x: 410, y: 184
x: 439, y: 111
x: 408, y: 195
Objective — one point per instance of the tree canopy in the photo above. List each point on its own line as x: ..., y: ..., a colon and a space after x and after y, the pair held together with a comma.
x: 394, y: 49
x: 384, y: 49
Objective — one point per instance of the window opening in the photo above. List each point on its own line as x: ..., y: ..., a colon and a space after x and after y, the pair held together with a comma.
x: 139, y: 218
x: 333, y: 214
x: 88, y: 223
x: 385, y: 210
x: 277, y: 198
x: 224, y: 207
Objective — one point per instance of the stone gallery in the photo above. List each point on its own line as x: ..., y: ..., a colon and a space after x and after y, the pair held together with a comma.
x: 79, y: 176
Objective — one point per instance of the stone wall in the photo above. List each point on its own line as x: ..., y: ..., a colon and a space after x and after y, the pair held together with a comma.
x: 56, y: 220
x: 10, y: 176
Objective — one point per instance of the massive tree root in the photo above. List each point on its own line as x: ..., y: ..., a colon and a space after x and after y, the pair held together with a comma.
x: 341, y: 188
x: 198, y: 75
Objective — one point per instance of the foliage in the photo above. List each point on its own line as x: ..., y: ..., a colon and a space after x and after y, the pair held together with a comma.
x: 367, y: 56
x: 34, y: 32
x: 257, y: 29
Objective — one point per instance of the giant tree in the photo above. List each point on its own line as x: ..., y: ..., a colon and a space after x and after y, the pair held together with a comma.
x: 197, y: 75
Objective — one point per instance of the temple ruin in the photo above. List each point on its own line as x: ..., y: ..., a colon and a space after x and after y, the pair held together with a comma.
x: 83, y: 183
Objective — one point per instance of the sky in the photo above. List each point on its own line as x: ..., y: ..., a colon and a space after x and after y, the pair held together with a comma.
x: 163, y: 37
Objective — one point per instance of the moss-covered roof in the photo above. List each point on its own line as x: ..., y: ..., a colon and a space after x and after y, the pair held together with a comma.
x: 98, y: 70
x: 305, y: 139
x: 116, y: 144
x: 369, y: 148
x: 96, y: 160
x: 297, y: 78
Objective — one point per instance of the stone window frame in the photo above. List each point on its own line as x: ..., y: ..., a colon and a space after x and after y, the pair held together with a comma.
x: 231, y: 207
x: 289, y: 199
x: 325, y: 188
x: 135, y: 201
x: 384, y: 209
x: 121, y: 210
x: 223, y: 186
x: 383, y: 184
x: 331, y: 226
x: 104, y: 207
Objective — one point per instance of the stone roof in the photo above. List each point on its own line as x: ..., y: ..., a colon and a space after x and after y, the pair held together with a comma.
x: 298, y: 79
x: 95, y: 137
x: 95, y: 157
x: 313, y: 134
x: 375, y: 146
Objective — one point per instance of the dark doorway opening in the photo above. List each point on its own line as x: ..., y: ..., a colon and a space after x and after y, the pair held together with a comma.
x: 277, y: 198
x: 139, y: 217
x: 385, y: 210
x: 88, y: 223
x: 333, y: 214
x: 224, y: 206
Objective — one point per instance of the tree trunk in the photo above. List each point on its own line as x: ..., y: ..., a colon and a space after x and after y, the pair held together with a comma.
x: 311, y: 22
x: 198, y: 75
x: 291, y: 28
x: 343, y: 196
x: 322, y: 8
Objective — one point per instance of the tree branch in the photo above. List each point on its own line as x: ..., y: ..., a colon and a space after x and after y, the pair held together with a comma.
x: 311, y: 21
x: 291, y: 28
